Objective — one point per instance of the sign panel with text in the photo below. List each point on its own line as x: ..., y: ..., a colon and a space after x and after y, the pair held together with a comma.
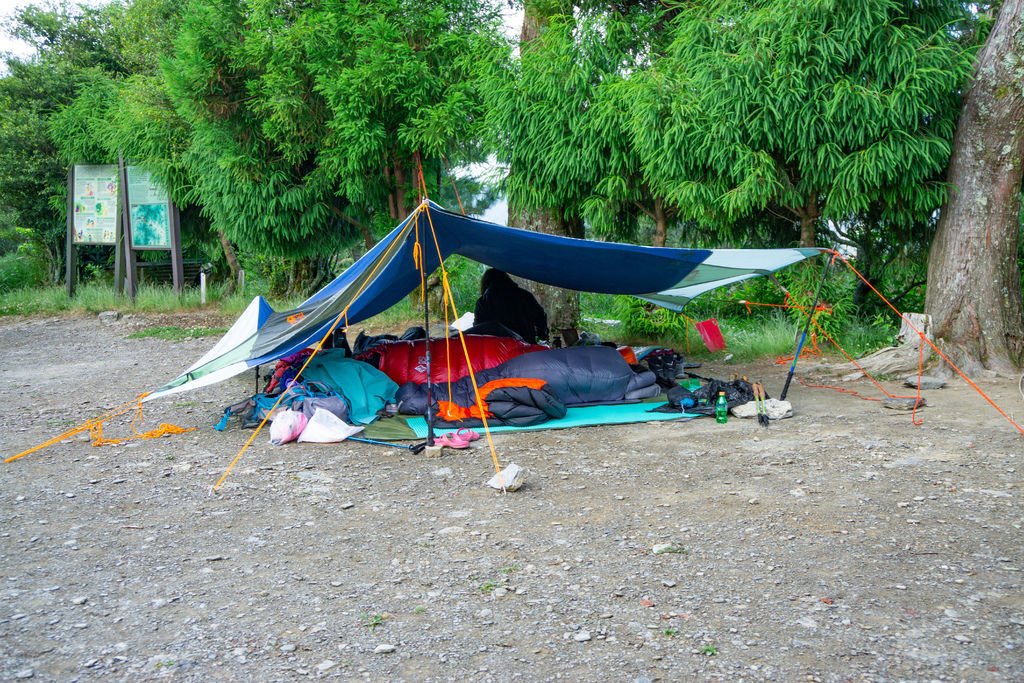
x: 149, y: 210
x: 94, y: 202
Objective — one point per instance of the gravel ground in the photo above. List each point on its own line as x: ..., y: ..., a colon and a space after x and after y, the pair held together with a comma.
x: 843, y: 544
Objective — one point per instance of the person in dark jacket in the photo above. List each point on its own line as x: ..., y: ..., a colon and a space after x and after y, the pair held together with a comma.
x: 503, y: 301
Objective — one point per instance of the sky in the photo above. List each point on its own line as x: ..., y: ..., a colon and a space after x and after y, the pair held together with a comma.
x: 9, y: 7
x: 8, y: 44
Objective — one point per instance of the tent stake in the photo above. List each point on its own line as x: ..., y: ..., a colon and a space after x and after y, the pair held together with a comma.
x: 807, y: 327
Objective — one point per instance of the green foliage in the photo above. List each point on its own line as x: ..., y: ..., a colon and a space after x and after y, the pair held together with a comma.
x: 835, y: 306
x: 304, y: 121
x: 22, y: 269
x: 819, y: 109
x: 555, y: 115
x: 643, y: 319
x: 372, y: 621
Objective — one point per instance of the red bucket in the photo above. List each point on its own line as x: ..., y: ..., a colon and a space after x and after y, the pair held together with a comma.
x: 710, y: 333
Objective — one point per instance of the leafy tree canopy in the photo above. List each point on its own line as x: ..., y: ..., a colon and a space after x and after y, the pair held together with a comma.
x: 813, y: 109
x: 305, y: 120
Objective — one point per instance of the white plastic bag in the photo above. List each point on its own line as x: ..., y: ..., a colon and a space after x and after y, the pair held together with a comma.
x: 286, y: 426
x: 326, y: 427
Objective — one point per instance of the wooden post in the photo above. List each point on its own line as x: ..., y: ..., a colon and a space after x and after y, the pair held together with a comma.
x: 126, y: 227
x: 177, y: 267
x: 70, y: 250
x: 119, y: 246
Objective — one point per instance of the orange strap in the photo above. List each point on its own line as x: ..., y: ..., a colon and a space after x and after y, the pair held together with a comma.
x: 95, y: 429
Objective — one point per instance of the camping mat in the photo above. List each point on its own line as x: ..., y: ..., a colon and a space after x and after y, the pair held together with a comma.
x: 415, y: 426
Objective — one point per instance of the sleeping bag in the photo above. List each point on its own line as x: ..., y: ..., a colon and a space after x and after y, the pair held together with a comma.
x: 535, y: 387
x: 406, y: 361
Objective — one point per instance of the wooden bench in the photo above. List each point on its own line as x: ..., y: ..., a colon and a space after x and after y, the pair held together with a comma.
x: 159, y: 272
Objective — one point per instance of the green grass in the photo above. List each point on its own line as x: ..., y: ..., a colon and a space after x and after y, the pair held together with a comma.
x: 95, y: 298
x: 172, y: 333
x: 748, y: 337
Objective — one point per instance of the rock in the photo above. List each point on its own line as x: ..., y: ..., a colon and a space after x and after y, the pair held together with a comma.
x: 384, y: 649
x: 25, y: 673
x: 903, y: 403
x: 288, y: 647
x: 776, y: 409
x: 668, y: 583
x: 81, y: 600
x: 663, y: 548
x: 509, y: 479
x: 927, y: 382
x: 581, y: 636
x: 452, y: 530
x: 326, y: 665
x: 109, y: 317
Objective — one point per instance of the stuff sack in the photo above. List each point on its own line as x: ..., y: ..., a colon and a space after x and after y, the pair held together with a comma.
x: 287, y: 426
x: 325, y: 427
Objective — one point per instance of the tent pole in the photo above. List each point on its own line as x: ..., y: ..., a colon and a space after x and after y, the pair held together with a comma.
x: 426, y: 327
x: 807, y: 327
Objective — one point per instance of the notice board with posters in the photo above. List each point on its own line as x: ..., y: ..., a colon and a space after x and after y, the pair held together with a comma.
x: 94, y: 204
x: 149, y: 210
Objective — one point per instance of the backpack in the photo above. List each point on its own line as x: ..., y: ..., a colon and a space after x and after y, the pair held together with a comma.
x: 259, y: 407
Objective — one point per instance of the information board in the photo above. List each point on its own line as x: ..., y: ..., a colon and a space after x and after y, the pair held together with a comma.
x: 95, y: 204
x: 149, y: 210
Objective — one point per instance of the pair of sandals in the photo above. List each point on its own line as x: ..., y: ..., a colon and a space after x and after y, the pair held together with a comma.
x: 459, y: 439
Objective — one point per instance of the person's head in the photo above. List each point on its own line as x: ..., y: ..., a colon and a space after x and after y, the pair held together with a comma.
x: 494, y: 278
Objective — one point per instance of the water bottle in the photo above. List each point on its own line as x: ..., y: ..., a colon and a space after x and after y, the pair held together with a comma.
x: 721, y: 409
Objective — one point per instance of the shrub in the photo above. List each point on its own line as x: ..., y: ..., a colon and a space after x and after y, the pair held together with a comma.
x: 23, y: 268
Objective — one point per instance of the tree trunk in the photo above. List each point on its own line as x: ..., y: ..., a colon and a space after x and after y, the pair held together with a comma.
x: 302, y: 276
x: 561, y: 305
x: 974, y: 294
x: 808, y: 221
x: 229, y: 256
x: 660, y: 224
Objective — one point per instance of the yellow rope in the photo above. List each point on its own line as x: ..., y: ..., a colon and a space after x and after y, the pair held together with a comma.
x: 316, y: 349
x: 95, y: 429
x: 450, y: 300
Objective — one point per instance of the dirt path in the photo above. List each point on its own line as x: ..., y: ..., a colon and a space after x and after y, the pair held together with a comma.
x: 842, y: 544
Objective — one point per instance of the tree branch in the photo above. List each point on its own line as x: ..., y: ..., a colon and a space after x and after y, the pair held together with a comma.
x: 363, y: 229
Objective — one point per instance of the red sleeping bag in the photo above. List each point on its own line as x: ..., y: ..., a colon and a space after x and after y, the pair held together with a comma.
x: 406, y: 361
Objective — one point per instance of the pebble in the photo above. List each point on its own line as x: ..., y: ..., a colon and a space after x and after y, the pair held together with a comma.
x: 288, y: 647
x: 81, y: 600
x: 25, y: 673
x: 347, y: 506
x: 927, y: 382
x: 662, y: 548
x: 581, y: 636
x: 668, y: 583
x: 326, y: 665
x: 383, y: 649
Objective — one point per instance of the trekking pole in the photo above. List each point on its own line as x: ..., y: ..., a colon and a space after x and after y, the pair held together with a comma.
x: 807, y: 328
x: 426, y: 326
x: 415, y: 448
